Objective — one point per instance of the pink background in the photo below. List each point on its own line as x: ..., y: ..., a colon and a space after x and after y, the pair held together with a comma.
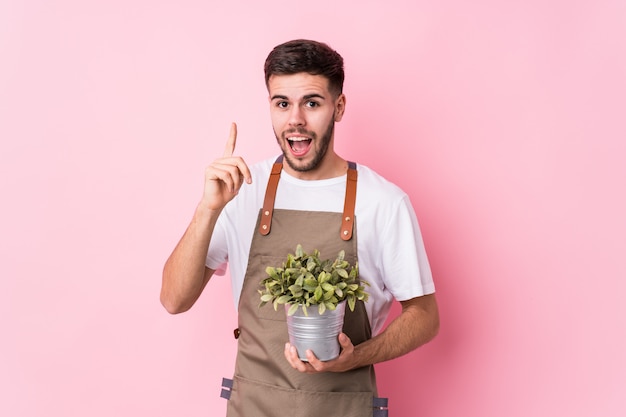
x: 503, y: 120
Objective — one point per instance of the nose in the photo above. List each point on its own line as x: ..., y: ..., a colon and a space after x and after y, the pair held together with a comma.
x: 296, y: 116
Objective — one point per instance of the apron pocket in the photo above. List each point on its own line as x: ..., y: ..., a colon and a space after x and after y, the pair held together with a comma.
x: 252, y: 398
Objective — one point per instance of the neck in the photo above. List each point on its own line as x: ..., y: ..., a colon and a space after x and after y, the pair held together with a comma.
x: 331, y: 166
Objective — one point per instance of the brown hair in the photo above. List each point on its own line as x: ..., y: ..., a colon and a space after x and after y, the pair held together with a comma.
x: 302, y: 55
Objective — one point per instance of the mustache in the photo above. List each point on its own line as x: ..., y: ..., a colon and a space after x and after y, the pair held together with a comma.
x: 299, y: 131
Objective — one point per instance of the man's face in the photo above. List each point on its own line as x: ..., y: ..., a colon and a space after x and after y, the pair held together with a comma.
x: 303, y: 113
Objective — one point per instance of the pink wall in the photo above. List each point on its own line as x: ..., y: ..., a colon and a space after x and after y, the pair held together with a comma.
x: 504, y: 121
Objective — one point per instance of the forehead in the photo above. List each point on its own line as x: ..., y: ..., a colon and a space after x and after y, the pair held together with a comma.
x: 297, y: 85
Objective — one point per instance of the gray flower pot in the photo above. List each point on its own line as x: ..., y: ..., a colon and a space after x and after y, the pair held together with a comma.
x: 317, y: 332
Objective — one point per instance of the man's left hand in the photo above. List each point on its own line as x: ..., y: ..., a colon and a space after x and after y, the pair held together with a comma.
x: 344, y: 362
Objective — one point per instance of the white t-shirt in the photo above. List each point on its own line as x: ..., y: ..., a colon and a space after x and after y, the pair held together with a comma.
x: 391, y: 253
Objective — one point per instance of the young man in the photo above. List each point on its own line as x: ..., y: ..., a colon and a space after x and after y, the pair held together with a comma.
x: 306, y: 206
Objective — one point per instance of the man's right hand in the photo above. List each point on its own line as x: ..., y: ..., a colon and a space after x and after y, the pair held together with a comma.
x: 185, y: 273
x: 225, y: 176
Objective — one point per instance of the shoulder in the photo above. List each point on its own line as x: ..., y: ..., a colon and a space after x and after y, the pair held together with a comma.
x: 379, y: 201
x: 262, y: 168
x: 371, y: 184
x: 260, y: 172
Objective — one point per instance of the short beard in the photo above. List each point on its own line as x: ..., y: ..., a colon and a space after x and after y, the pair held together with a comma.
x: 325, y: 142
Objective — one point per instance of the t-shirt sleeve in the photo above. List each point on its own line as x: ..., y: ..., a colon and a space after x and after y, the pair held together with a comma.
x: 406, y: 269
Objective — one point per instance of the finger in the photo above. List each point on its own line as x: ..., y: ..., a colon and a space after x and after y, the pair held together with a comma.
x: 240, y: 164
x: 232, y: 171
x: 294, y: 360
x: 292, y: 356
x: 314, y: 361
x: 344, y: 341
x: 232, y: 140
x: 288, y: 354
x: 226, y: 174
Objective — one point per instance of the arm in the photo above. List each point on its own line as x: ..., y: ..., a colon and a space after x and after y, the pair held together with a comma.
x: 416, y: 325
x: 185, y: 274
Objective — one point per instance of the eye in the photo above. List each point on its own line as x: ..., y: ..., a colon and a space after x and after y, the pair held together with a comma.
x: 311, y: 104
x: 282, y: 104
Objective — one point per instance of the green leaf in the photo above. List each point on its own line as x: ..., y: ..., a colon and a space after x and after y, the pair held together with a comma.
x: 321, y: 308
x: 351, y: 302
x: 318, y: 293
x: 292, y: 310
x: 342, y: 273
x: 266, y: 297
x: 295, y: 289
x: 310, y: 284
x: 292, y: 271
x: 271, y: 271
x: 284, y: 299
x: 310, y: 264
x: 300, y: 280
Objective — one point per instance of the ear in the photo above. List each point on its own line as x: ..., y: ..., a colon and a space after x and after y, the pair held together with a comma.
x: 340, y: 107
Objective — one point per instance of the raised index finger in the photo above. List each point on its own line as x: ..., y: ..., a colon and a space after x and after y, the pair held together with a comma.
x: 232, y: 140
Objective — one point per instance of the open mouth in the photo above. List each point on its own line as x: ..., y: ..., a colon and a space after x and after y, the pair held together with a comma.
x: 299, y: 145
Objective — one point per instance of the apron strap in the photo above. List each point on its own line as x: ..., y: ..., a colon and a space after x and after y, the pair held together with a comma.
x: 270, y: 196
x: 347, y: 224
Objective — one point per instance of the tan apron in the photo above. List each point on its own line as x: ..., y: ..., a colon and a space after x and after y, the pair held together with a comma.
x: 265, y: 385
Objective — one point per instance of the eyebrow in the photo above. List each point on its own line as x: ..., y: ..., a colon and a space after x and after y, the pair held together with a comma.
x: 306, y: 97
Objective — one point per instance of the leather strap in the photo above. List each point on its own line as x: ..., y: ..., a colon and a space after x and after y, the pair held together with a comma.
x: 347, y: 223
x: 270, y: 197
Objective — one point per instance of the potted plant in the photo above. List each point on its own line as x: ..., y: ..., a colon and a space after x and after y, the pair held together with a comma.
x: 306, y: 284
